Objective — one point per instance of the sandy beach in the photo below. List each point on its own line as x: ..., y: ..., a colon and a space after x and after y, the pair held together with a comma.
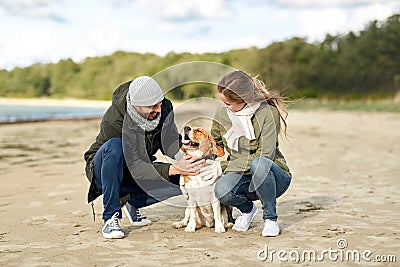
x: 343, y: 197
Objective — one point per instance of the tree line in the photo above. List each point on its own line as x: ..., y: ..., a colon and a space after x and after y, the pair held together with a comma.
x: 358, y: 65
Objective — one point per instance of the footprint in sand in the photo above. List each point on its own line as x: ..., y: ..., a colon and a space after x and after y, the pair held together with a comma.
x: 37, y: 220
x: 60, y: 193
x: 36, y: 203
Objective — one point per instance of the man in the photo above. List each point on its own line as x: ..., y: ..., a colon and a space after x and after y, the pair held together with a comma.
x: 121, y: 162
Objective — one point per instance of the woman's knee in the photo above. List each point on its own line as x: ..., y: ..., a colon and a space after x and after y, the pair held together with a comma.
x: 221, y: 189
x: 260, y: 163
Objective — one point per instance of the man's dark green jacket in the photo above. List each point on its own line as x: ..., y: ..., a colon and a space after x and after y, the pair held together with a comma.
x: 140, y: 147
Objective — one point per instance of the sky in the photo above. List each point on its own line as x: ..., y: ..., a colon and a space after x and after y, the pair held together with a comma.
x: 46, y: 31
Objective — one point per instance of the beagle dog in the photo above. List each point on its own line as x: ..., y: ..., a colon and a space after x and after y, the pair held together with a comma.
x: 203, y: 209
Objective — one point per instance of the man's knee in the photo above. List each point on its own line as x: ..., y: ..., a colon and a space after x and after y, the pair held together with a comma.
x: 113, y: 148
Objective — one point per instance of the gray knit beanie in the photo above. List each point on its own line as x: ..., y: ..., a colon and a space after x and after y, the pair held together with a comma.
x: 144, y: 91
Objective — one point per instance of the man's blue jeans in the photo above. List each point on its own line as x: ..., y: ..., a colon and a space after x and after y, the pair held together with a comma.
x: 112, y: 176
x: 268, y: 181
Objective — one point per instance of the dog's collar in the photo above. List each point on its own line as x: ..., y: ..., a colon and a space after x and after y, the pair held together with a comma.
x: 210, y: 156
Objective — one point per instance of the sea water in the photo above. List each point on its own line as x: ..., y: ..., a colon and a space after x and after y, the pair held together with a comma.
x: 21, y: 113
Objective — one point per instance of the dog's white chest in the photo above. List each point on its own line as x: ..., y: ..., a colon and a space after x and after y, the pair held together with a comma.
x: 203, y: 195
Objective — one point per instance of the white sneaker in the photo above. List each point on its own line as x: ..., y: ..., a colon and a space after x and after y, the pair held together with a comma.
x: 111, y: 228
x: 243, y: 222
x: 271, y: 228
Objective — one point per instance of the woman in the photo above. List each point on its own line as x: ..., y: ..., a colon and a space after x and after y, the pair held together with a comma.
x: 247, y: 126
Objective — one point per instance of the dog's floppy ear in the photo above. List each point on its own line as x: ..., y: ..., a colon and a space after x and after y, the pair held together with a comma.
x: 206, y: 146
x: 219, y: 151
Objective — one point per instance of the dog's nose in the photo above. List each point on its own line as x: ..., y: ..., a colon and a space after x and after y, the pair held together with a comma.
x: 187, y: 129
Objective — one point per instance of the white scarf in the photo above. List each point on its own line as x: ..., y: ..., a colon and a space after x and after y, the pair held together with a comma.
x: 241, y: 125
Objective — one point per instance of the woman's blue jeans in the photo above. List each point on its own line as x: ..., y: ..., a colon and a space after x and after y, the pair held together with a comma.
x: 112, y: 176
x: 268, y: 181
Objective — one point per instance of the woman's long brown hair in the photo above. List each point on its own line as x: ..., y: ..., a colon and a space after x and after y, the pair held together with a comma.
x: 239, y: 87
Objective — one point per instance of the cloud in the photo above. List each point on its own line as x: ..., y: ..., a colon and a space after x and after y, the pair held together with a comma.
x: 317, y: 4
x: 105, y: 39
x: 316, y: 24
x: 43, y: 9
x: 178, y: 10
x: 41, y: 47
x: 317, y: 18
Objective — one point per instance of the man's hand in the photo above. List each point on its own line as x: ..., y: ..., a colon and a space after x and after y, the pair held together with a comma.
x: 211, y: 172
x: 186, y: 166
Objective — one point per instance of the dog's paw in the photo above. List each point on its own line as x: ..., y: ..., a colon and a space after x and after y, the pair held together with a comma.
x: 220, y: 230
x: 190, y: 228
x: 178, y: 225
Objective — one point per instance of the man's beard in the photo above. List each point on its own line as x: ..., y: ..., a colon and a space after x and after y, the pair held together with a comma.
x: 152, y: 116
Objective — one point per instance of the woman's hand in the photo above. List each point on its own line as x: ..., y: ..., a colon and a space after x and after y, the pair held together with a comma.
x: 211, y: 172
x: 186, y: 166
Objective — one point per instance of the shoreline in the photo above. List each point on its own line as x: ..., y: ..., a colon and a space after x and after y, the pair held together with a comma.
x: 89, y: 118
x: 31, y: 110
